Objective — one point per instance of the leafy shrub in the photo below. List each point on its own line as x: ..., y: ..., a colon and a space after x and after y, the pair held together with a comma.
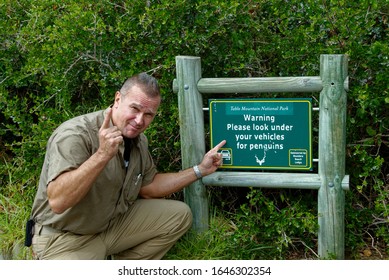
x: 59, y: 59
x: 277, y: 223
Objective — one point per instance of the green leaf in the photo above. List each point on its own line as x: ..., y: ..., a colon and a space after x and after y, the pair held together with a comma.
x: 370, y: 131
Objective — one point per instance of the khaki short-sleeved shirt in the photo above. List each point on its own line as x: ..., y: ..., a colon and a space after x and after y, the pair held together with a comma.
x: 113, y: 192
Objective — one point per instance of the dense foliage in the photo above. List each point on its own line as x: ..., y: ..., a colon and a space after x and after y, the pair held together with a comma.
x: 59, y: 59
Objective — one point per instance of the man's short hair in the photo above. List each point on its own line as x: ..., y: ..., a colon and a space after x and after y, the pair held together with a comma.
x: 143, y: 80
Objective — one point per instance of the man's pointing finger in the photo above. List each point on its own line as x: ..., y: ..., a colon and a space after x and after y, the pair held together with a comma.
x: 107, y: 119
x: 218, y: 146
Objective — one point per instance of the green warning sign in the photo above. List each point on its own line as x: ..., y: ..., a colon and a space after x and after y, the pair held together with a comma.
x: 263, y: 133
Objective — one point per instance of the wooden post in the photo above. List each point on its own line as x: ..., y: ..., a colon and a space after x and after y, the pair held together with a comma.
x: 190, y: 104
x: 332, y: 144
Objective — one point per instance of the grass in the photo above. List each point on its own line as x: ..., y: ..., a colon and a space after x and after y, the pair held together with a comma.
x: 220, y: 242
x: 12, y: 221
x: 15, y: 205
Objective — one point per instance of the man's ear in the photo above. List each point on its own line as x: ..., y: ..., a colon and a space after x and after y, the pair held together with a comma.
x: 118, y: 97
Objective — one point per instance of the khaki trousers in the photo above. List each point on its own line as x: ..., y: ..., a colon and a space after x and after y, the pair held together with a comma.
x: 147, y: 231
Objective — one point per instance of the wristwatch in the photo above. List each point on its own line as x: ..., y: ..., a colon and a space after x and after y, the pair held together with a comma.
x: 197, y: 172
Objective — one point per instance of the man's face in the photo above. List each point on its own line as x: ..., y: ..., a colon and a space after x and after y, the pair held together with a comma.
x: 134, y: 112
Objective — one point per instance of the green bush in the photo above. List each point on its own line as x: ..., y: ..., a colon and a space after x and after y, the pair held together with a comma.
x: 59, y: 59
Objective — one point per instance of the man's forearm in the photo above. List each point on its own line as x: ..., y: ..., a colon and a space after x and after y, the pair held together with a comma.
x: 165, y: 184
x: 70, y: 187
x: 168, y: 183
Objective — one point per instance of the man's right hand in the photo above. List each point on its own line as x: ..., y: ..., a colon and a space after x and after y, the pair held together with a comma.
x: 110, y: 137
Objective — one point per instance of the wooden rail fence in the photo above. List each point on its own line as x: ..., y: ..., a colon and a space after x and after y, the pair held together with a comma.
x: 331, y: 180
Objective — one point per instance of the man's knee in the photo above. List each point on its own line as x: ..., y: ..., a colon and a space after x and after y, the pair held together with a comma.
x: 183, y: 214
x: 187, y: 213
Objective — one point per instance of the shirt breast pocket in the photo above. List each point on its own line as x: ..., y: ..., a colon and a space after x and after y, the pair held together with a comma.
x: 133, y: 188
